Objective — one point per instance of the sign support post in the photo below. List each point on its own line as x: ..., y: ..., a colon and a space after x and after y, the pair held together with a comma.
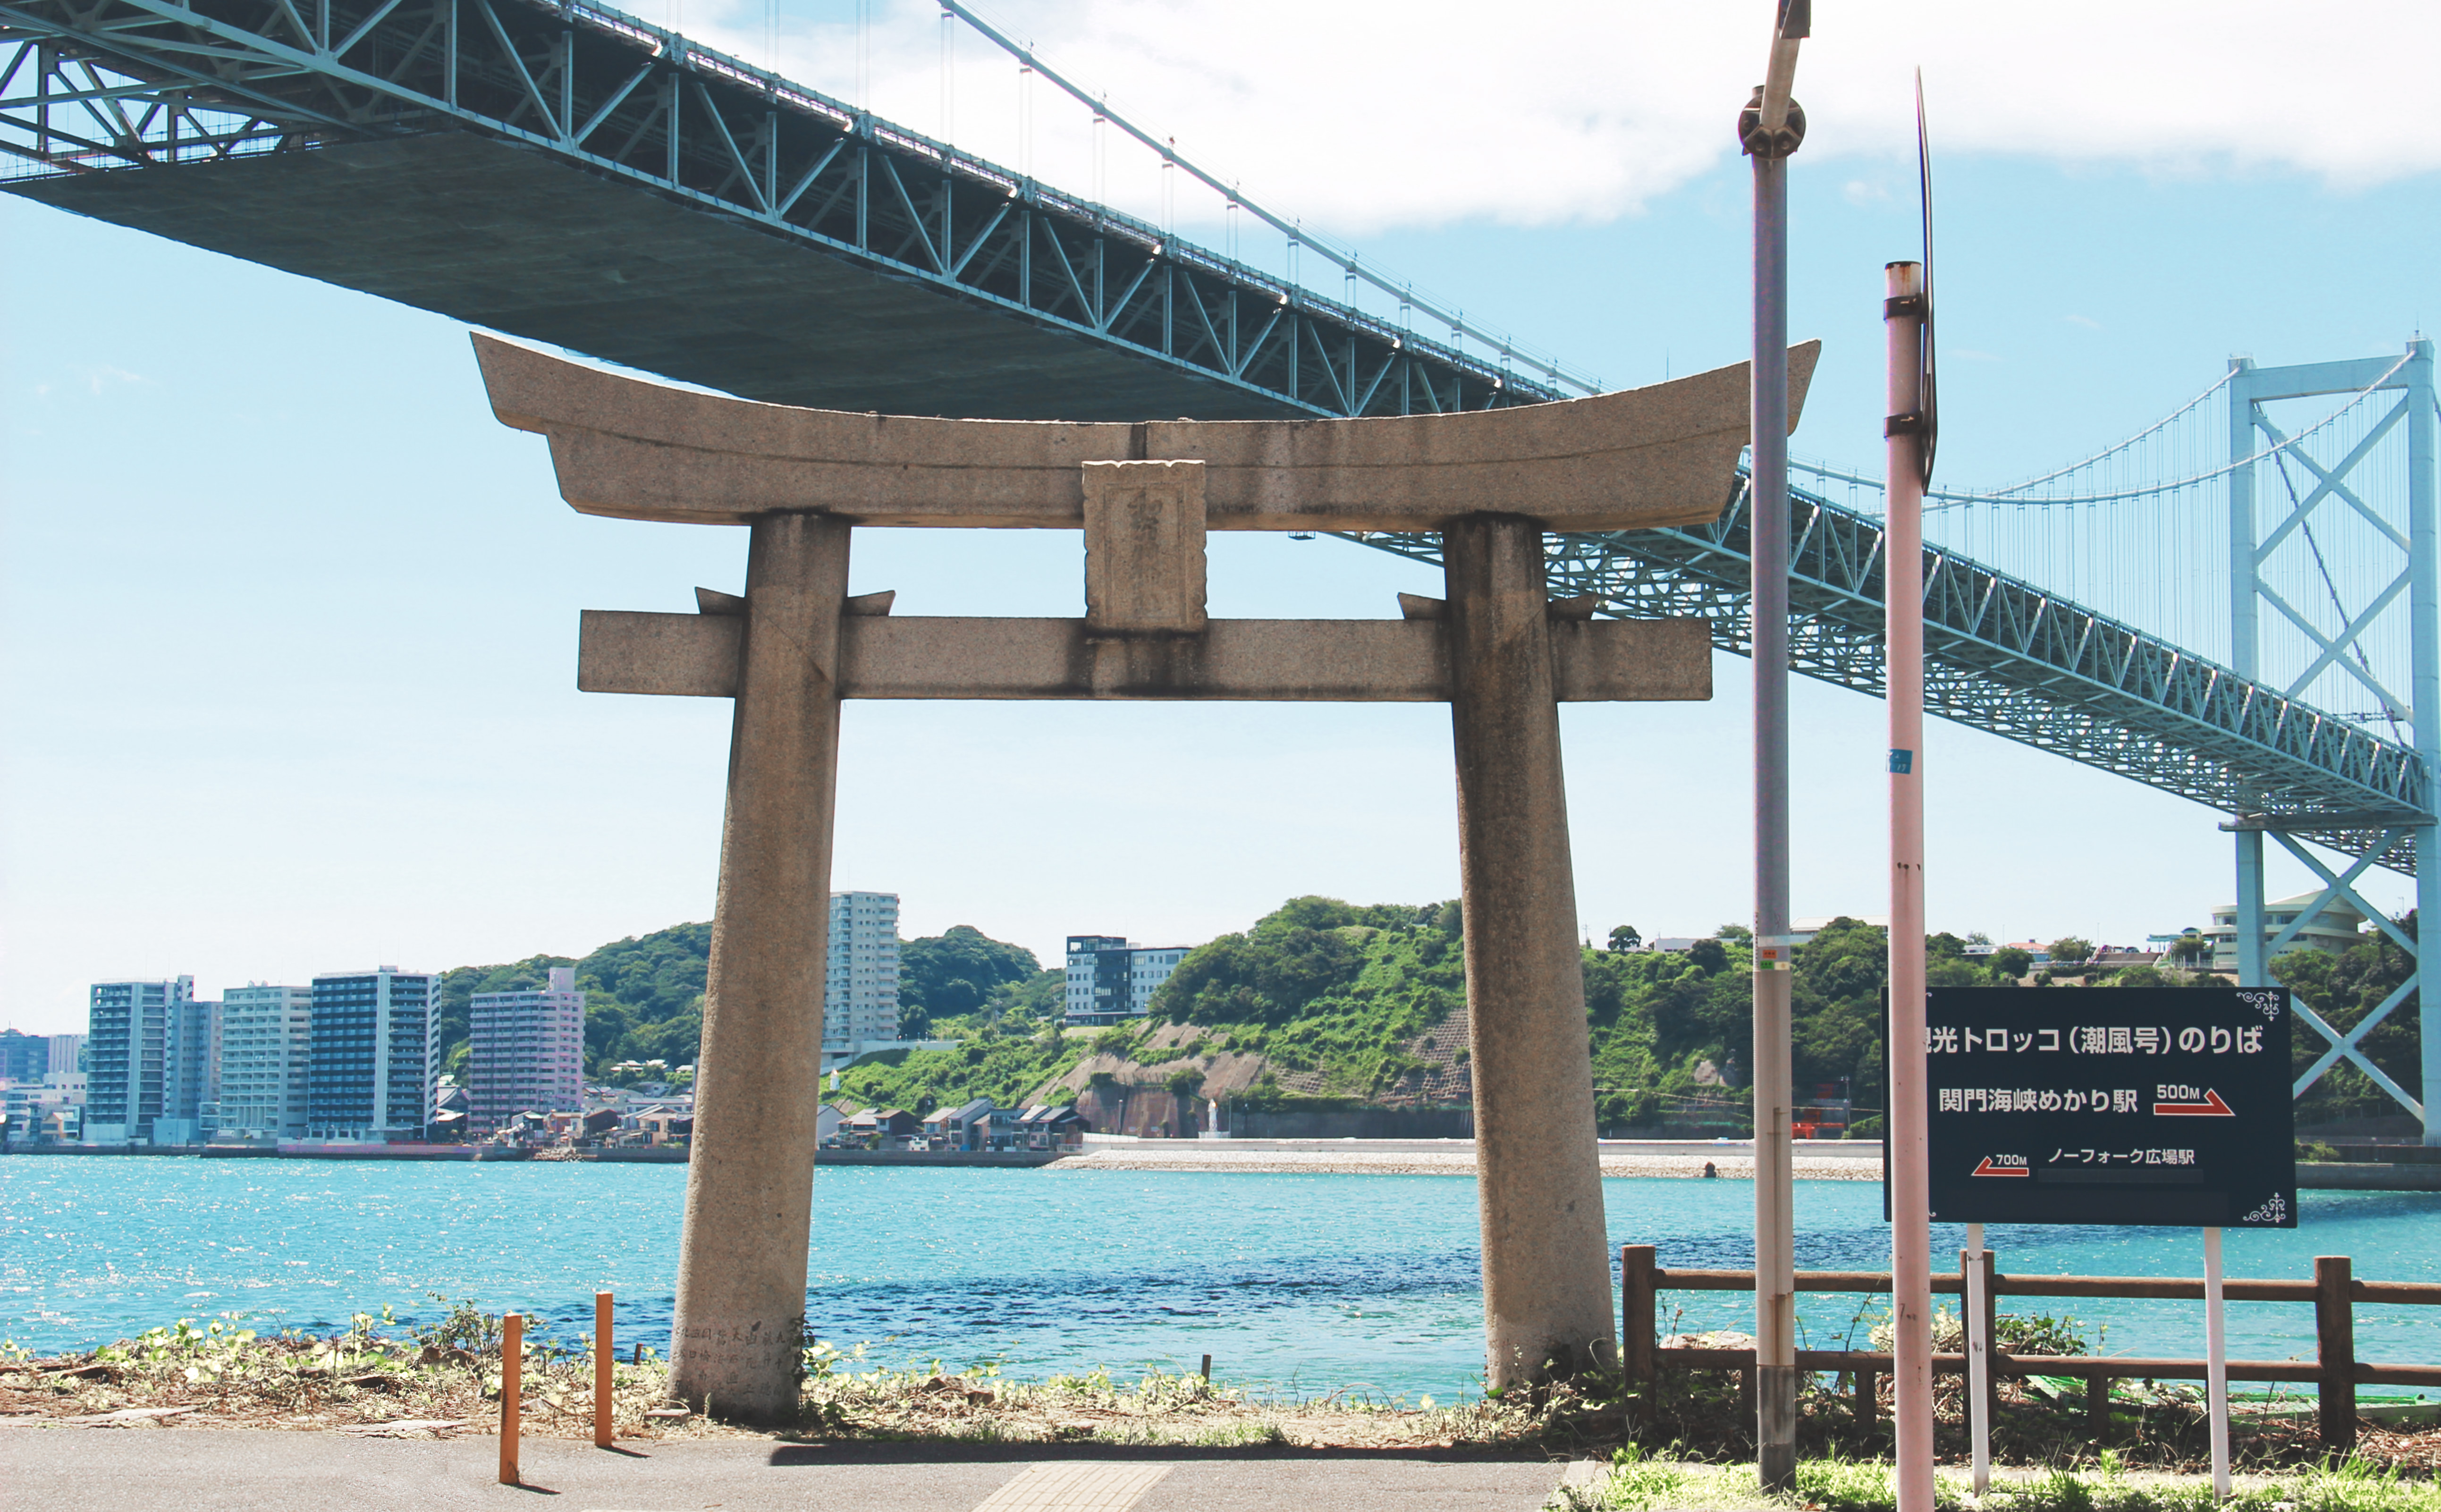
x: 1978, y: 1361
x: 2215, y: 1365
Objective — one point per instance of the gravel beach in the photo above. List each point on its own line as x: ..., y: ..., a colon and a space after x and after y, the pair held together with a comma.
x: 1858, y: 1162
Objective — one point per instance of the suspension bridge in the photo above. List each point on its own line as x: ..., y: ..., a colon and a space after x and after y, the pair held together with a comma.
x: 2235, y: 605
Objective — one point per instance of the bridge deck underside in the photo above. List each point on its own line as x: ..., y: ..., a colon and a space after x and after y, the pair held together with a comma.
x: 506, y: 236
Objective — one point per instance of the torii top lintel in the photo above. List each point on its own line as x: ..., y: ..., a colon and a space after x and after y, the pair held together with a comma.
x: 635, y: 449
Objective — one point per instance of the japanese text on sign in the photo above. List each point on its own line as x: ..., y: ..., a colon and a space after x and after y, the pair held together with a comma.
x: 2098, y: 1039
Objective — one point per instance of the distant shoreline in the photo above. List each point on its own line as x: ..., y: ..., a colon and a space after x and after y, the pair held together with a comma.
x: 1619, y: 1158
x: 1843, y: 1162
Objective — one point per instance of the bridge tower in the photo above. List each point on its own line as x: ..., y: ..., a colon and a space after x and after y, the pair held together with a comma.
x: 2273, y: 550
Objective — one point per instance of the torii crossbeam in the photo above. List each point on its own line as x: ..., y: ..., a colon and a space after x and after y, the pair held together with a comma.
x: 1496, y: 650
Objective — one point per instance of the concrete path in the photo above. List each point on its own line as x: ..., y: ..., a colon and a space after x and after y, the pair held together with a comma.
x: 62, y: 1469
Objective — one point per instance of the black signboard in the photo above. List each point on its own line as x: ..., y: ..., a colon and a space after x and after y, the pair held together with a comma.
x: 2120, y: 1106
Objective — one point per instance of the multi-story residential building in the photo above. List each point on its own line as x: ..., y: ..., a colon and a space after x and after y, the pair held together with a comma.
x: 266, y: 1045
x: 190, y: 1064
x: 2335, y: 926
x: 1110, y: 978
x: 526, y: 1051
x: 861, y: 978
x: 127, y: 1056
x: 370, y: 1079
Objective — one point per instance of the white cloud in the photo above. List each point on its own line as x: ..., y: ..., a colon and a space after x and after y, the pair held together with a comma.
x: 1361, y: 119
x: 106, y: 377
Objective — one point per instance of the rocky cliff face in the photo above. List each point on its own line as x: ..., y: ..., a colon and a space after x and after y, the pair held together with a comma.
x: 1161, y: 1084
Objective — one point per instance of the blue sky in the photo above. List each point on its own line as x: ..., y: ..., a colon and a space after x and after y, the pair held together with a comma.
x: 288, y: 665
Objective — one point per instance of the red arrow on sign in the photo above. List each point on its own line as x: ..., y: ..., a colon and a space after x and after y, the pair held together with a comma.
x: 2212, y: 1107
x: 1987, y: 1168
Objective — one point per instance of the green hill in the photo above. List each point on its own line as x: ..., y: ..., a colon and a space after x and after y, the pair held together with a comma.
x: 1328, y: 1004
x: 1323, y: 1003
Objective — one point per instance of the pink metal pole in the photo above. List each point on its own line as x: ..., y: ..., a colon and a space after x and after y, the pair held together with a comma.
x: 1910, y: 1203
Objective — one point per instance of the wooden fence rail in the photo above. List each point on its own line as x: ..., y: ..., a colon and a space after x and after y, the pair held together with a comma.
x: 2335, y: 1371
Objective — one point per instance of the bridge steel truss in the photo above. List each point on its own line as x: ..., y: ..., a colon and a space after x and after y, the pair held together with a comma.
x: 2413, y: 591
x: 2009, y: 657
x: 2006, y: 657
x: 108, y: 85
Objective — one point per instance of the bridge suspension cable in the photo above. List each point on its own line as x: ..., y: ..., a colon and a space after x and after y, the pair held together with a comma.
x: 2143, y: 530
x: 1347, y: 259
x: 1957, y: 499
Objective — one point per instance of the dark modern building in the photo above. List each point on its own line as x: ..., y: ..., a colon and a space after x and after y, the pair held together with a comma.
x: 371, y: 1073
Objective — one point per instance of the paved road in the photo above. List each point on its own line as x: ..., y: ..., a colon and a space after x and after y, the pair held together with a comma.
x: 110, y: 1469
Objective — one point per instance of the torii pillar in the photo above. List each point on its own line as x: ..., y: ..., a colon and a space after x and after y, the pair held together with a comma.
x: 1497, y: 650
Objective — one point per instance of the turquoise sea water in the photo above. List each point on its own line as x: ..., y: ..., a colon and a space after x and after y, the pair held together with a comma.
x: 1293, y: 1282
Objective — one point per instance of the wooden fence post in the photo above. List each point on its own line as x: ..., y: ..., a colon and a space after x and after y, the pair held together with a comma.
x: 1636, y: 1330
x: 2097, y: 1409
x: 1868, y: 1394
x: 513, y: 1359
x: 2335, y: 1338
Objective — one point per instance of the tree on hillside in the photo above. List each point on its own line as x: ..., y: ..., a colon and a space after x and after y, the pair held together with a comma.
x: 1625, y: 938
x: 643, y: 997
x: 1267, y: 976
x: 2069, y: 950
x: 954, y: 973
x: 2189, y: 949
x: 1835, y: 1002
x: 1042, y: 998
x: 2010, y: 963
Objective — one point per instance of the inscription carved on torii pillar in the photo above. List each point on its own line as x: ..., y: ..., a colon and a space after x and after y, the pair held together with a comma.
x: 1496, y: 649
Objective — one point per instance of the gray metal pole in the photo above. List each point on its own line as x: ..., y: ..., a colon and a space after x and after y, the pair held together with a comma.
x: 1769, y: 130
x: 1775, y: 1218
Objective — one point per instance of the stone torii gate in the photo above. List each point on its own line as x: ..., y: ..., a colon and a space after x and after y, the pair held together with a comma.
x: 1496, y: 649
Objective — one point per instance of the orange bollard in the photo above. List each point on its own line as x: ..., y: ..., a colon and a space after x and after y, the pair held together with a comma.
x: 605, y: 1355
x: 513, y: 1354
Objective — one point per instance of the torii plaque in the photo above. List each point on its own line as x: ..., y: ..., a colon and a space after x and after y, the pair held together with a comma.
x: 1496, y: 650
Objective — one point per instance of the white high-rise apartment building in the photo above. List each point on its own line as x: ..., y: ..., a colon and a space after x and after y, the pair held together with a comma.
x: 266, y: 1045
x: 127, y: 1056
x: 861, y: 980
x: 371, y: 1075
x: 526, y: 1051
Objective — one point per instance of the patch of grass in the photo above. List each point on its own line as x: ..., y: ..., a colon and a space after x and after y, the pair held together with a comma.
x: 1637, y: 1483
